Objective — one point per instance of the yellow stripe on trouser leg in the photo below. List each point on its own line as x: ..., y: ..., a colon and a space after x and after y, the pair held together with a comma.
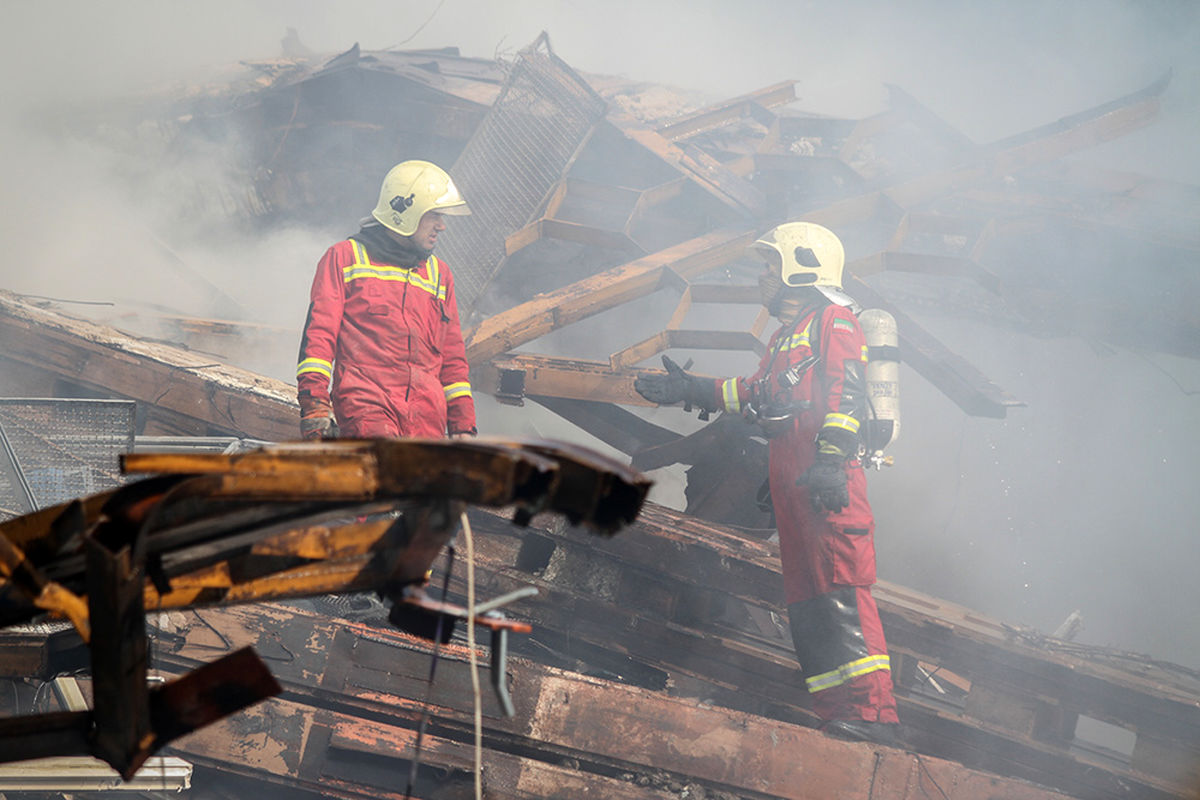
x: 836, y: 677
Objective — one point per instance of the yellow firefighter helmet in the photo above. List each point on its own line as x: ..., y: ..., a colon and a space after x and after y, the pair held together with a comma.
x: 805, y: 253
x: 409, y: 190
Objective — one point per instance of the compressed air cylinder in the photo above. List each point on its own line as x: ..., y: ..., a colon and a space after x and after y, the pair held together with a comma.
x: 883, y: 378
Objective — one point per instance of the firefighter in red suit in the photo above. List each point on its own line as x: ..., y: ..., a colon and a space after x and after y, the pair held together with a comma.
x: 809, y: 396
x: 383, y: 322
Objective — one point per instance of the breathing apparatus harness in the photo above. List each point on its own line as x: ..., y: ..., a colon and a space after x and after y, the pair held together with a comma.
x: 770, y: 406
x: 774, y: 411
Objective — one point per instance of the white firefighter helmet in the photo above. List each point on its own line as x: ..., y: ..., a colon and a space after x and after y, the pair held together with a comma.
x: 409, y: 190
x: 806, y: 254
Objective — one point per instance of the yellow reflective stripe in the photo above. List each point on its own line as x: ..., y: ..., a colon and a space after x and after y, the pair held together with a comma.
x: 836, y: 677
x: 863, y: 356
x: 315, y: 365
x: 434, y: 268
x: 729, y: 393
x: 355, y: 271
x: 363, y: 268
x: 456, y: 390
x: 800, y: 339
x: 843, y: 421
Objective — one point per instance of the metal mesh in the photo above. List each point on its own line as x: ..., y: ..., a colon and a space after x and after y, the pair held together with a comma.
x: 52, y: 450
x: 543, y: 116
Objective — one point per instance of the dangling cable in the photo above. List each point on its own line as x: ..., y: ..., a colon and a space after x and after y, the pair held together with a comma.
x: 437, y: 638
x: 466, y: 526
x: 151, y: 643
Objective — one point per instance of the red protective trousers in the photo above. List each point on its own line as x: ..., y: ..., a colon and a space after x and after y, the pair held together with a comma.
x: 389, y: 339
x: 828, y: 558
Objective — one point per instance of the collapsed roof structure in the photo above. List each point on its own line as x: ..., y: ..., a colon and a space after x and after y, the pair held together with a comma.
x: 658, y: 666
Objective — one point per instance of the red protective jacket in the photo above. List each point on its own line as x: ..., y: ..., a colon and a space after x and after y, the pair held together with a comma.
x: 389, y: 339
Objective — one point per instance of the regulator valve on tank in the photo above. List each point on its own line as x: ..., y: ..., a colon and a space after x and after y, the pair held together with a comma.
x: 883, y: 385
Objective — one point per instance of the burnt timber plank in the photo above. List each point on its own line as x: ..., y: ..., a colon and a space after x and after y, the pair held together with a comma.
x: 609, y: 729
x: 756, y: 674
x: 186, y: 385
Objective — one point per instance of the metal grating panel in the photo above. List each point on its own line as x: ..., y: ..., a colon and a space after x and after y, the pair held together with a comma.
x: 54, y: 450
x: 544, y: 115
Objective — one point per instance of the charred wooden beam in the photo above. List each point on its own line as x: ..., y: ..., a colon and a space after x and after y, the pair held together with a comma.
x: 212, y: 510
x: 164, y: 379
x: 339, y: 713
x: 279, y: 521
x: 728, y: 569
x: 123, y: 736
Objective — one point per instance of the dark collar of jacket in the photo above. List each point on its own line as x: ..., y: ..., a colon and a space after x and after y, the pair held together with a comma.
x: 383, y: 248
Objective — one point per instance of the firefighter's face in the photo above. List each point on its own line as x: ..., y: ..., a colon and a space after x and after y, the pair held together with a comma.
x: 770, y: 288
x: 432, y: 223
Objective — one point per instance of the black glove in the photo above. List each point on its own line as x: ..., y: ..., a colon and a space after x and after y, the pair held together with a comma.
x: 826, y: 481
x: 676, y: 385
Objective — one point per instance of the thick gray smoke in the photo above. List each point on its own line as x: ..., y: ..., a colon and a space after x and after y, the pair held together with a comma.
x: 1083, y: 500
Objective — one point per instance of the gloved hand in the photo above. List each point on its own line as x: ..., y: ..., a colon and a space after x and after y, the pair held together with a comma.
x: 676, y: 385
x: 826, y: 481
x: 316, y: 419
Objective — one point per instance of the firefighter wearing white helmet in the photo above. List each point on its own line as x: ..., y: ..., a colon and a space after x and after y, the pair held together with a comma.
x: 800, y: 254
x: 809, y: 391
x: 410, y: 190
x: 382, y: 352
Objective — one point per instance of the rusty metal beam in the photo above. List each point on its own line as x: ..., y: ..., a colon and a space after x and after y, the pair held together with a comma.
x: 566, y: 378
x: 608, y: 422
x: 746, y: 341
x: 928, y: 264
x: 718, y: 114
x: 548, y: 312
x: 559, y: 377
x: 954, y: 141
x: 563, y: 230
x: 709, y: 174
x: 970, y: 390
x: 1038, y: 146
x: 1087, y: 128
